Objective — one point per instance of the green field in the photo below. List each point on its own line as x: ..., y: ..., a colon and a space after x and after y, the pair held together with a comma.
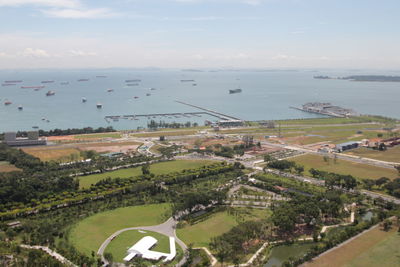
x: 7, y: 167
x: 373, y: 248
x: 384, y: 253
x: 98, y: 135
x: 391, y: 154
x: 88, y: 234
x: 358, y: 170
x: 157, y: 168
x: 119, y: 246
x: 200, y: 234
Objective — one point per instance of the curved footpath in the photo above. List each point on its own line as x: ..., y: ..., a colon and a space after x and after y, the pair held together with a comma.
x: 167, y: 228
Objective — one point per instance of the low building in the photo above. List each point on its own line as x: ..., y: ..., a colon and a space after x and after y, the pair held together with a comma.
x: 11, y: 139
x: 346, y: 146
x: 143, y: 249
x: 230, y: 123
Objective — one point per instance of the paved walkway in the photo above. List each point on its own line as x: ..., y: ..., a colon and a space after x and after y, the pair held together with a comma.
x: 52, y: 253
x: 167, y: 228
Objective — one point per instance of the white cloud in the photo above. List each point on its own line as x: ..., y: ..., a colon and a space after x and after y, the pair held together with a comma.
x: 32, y: 52
x: 81, y: 53
x: 80, y: 13
x: 48, y: 3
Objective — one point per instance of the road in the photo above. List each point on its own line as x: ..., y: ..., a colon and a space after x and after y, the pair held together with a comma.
x: 167, y: 228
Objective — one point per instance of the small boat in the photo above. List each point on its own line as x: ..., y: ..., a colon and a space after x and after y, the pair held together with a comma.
x: 148, y: 94
x: 132, y: 84
x: 35, y: 127
x: 83, y: 80
x: 195, y: 84
x: 152, y: 88
x: 110, y: 90
x: 36, y: 89
x: 135, y: 97
x: 99, y: 105
x: 134, y: 80
x: 47, y: 120
x: 188, y: 80
x: 50, y: 93
x: 43, y: 119
x: 235, y: 91
x: 20, y: 107
x: 48, y: 81
x: 64, y: 83
x: 7, y: 102
x: 84, y: 99
x: 101, y: 76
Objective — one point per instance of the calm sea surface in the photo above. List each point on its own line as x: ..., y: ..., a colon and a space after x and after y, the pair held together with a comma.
x: 266, y: 95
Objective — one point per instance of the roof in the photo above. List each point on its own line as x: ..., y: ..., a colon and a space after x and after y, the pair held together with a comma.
x: 143, y: 246
x: 346, y: 144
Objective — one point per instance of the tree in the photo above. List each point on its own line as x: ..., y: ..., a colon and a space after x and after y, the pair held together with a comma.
x: 146, y: 169
x: 387, y: 225
x: 268, y: 158
x: 382, y: 181
x: 299, y: 169
x: 109, y: 257
x: 326, y: 159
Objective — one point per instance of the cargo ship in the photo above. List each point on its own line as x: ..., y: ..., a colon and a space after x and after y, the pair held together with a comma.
x: 33, y: 87
x: 83, y: 80
x: 64, y: 83
x: 101, y: 76
x: 133, y: 81
x: 191, y: 80
x: 48, y: 81
x: 132, y: 84
x: 7, y: 102
x: 235, y: 91
x: 50, y: 93
x: 14, y: 81
x: 8, y: 84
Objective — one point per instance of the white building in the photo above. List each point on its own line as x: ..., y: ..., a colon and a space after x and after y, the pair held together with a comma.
x: 143, y: 246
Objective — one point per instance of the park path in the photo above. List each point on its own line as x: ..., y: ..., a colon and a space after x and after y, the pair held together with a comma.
x: 52, y: 253
x: 167, y: 228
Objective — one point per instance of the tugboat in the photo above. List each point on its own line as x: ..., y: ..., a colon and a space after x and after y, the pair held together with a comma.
x: 20, y: 107
x: 99, y: 105
x: 110, y: 90
x: 50, y: 93
x: 84, y: 99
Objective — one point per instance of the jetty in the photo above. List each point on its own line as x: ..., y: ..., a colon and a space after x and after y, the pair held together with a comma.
x: 220, y: 115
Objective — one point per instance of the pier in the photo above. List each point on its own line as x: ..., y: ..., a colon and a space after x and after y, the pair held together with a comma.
x: 220, y: 115
x: 151, y: 115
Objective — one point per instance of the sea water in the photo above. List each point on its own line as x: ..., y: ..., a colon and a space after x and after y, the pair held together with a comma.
x: 266, y: 95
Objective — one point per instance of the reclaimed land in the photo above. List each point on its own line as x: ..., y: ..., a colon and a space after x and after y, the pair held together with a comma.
x: 88, y: 234
x: 118, y: 247
x: 200, y: 234
x: 358, y: 170
x: 391, y: 154
x: 373, y: 248
x: 156, y: 168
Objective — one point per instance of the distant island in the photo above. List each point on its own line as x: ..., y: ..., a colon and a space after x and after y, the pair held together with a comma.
x: 363, y: 78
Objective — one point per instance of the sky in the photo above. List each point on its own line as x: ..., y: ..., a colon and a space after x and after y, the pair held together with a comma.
x: 362, y: 34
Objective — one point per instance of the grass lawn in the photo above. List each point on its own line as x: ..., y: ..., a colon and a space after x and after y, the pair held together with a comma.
x: 88, y: 234
x: 122, y: 242
x: 200, y: 234
x: 156, y: 168
x: 7, y: 167
x: 391, y: 154
x: 374, y: 248
x: 53, y: 153
x: 98, y: 135
x: 344, y: 167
